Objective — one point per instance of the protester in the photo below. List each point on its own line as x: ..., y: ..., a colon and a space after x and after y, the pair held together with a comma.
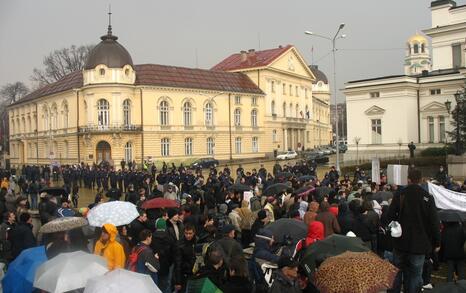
x: 185, y: 258
x: 147, y: 261
x: 238, y: 277
x: 22, y: 237
x: 452, y: 244
x: 328, y: 219
x: 109, y: 248
x: 286, y: 277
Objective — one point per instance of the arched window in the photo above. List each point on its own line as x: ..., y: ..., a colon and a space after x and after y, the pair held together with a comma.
x: 13, y: 130
x: 103, y: 113
x: 188, y: 146
x: 65, y: 116
x: 127, y: 114
x: 23, y: 120
x: 297, y: 110
x: 187, y: 114
x: 254, y: 118
x: 46, y: 119
x: 210, y: 146
x: 165, y: 147
x: 29, y: 124
x: 209, y: 114
x: 291, y: 110
x: 423, y: 48
x: 416, y: 48
x: 273, y: 107
x: 128, y: 152
x: 238, y: 145
x: 307, y: 112
x: 54, y: 117
x: 237, y: 117
x: 164, y: 113
x: 284, y: 109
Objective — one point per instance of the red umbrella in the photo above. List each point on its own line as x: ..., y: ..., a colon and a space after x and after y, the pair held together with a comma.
x: 158, y: 203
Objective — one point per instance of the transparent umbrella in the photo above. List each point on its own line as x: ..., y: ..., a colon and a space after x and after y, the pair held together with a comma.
x: 117, y: 213
x: 122, y: 281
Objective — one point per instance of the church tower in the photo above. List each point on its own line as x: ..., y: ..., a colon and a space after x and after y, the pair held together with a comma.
x: 417, y: 56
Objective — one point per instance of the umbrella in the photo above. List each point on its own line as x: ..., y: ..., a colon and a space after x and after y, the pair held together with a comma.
x: 69, y: 271
x: 203, y: 285
x: 450, y: 287
x: 159, y: 202
x: 63, y: 224
x: 20, y: 274
x: 332, y: 245
x: 306, y: 178
x: 451, y: 216
x: 356, y: 272
x: 117, y: 213
x: 284, y: 175
x: 54, y: 191
x: 304, y: 190
x: 275, y: 189
x: 295, y: 229
x: 122, y: 281
x: 238, y: 187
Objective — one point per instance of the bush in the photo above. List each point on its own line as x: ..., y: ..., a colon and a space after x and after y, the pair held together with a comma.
x: 437, y: 152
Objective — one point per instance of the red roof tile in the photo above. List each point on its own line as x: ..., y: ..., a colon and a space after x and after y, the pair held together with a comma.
x: 256, y: 59
x: 162, y: 75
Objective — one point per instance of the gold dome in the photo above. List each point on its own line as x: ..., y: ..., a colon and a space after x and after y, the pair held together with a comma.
x: 417, y: 38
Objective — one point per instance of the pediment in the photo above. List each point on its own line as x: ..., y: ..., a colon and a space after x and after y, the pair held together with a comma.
x: 374, y: 110
x: 293, y: 62
x: 434, y: 107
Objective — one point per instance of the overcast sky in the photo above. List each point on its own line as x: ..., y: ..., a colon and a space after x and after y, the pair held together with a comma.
x: 170, y: 32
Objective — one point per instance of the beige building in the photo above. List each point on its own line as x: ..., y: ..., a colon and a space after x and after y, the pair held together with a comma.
x: 114, y: 110
x: 321, y: 126
x: 292, y: 112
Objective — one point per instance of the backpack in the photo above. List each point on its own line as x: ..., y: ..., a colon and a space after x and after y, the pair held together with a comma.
x: 133, y: 258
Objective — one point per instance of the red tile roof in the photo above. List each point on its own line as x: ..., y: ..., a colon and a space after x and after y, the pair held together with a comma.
x: 173, y: 76
x: 256, y: 59
x: 162, y: 75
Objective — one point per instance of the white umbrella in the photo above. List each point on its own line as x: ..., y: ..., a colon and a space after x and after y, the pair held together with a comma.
x: 69, y: 271
x: 117, y: 213
x: 122, y: 281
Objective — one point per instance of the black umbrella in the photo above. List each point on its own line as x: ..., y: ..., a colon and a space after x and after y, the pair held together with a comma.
x: 304, y: 189
x: 331, y: 246
x: 451, y: 216
x: 54, y: 191
x: 238, y: 187
x: 286, y: 175
x: 306, y: 178
x: 275, y: 189
x: 381, y: 196
x: 322, y: 191
x: 288, y: 227
x: 451, y: 287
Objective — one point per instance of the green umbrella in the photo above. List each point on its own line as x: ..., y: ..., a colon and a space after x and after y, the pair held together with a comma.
x: 331, y: 246
x: 203, y: 285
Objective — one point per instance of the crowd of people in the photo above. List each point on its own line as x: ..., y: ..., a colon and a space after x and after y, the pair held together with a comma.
x: 207, y: 235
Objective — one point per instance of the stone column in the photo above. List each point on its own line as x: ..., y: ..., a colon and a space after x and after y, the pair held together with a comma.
x: 285, y: 139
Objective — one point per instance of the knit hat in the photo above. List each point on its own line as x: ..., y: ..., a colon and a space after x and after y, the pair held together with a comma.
x: 172, y: 212
x: 262, y: 214
x: 160, y: 224
x: 227, y: 229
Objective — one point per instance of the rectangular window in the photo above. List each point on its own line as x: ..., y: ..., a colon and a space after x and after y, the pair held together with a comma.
x: 291, y: 90
x: 296, y: 91
x: 430, y: 121
x: 434, y: 92
x: 274, y: 135
x: 210, y: 146
x: 376, y: 125
x: 238, y: 145
x: 254, y: 100
x: 255, y: 144
x: 456, y: 55
x: 284, y: 88
x: 375, y: 94
x: 441, y: 126
x: 188, y: 146
x: 272, y: 86
x: 305, y: 93
x: 165, y: 147
x: 237, y: 100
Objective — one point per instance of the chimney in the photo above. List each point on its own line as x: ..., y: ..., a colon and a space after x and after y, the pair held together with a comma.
x: 244, y: 56
x: 251, y: 52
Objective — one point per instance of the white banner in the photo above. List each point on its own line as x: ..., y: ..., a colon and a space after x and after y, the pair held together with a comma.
x: 376, y: 170
x: 447, y: 199
x: 397, y: 174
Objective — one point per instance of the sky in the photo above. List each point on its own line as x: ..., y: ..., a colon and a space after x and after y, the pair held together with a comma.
x: 175, y: 32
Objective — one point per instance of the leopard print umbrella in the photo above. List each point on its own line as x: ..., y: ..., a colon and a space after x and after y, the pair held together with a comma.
x: 355, y: 272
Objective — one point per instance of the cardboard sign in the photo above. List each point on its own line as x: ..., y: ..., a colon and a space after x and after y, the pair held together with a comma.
x: 397, y: 174
x: 247, y: 195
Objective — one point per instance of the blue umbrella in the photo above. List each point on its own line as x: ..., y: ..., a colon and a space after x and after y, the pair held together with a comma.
x: 20, y: 274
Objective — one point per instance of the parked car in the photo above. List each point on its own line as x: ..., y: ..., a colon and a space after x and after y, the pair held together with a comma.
x: 326, y: 151
x: 288, y: 155
x: 331, y: 149
x: 342, y: 148
x: 319, y: 159
x: 204, y: 163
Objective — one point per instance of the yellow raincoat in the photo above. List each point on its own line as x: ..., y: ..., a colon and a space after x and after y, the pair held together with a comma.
x: 112, y: 250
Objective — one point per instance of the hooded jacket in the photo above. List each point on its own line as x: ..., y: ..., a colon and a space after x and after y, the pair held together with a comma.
x: 315, y: 232
x: 112, y: 251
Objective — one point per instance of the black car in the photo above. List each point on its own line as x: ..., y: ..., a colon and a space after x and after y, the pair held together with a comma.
x: 318, y: 158
x: 204, y: 163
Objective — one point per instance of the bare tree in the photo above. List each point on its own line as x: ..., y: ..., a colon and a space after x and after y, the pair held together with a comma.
x: 60, y: 63
x: 12, y: 92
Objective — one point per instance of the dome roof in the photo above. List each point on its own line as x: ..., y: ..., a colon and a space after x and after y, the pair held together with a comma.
x: 108, y: 52
x: 417, y: 38
x: 320, y: 76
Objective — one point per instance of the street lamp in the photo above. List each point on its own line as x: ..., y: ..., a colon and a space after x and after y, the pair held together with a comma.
x: 333, y: 40
x: 357, y: 139
x: 460, y: 97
